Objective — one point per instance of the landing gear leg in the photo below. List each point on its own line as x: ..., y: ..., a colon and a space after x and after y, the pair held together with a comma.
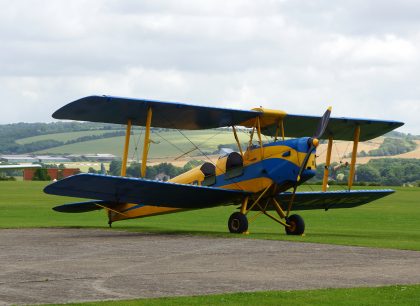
x: 294, y: 225
x: 109, y: 218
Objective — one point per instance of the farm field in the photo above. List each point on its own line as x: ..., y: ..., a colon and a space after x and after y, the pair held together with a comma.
x: 64, y: 136
x: 172, y: 144
x: 343, y: 148
x: 412, y: 154
x: 206, y: 140
x: 392, y: 222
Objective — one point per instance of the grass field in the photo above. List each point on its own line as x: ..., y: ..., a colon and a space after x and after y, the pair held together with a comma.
x: 63, y: 136
x: 392, y: 222
x: 390, y: 295
x: 172, y: 144
x: 206, y: 140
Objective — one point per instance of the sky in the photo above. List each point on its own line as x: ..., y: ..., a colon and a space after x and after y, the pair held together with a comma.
x: 361, y: 57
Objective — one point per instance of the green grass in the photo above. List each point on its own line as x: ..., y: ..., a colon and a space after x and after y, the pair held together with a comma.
x: 207, y: 140
x: 63, y: 136
x: 391, y: 222
x: 390, y: 295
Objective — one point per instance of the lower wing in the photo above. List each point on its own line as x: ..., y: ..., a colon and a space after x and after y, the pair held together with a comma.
x: 332, y: 199
x: 113, y: 189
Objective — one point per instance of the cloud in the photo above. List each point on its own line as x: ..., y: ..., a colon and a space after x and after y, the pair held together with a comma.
x: 370, y: 51
x: 362, y: 57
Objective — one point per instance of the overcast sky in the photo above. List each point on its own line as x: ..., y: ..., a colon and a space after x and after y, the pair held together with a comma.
x: 361, y: 57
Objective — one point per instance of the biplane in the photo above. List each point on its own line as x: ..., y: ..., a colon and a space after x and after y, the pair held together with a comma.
x: 263, y: 178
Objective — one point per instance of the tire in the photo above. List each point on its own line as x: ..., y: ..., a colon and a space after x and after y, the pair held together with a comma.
x: 297, y: 225
x: 238, y: 223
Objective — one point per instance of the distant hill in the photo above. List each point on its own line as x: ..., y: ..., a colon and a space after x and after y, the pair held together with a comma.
x: 179, y: 147
x: 165, y: 143
x: 85, y: 137
x: 12, y: 136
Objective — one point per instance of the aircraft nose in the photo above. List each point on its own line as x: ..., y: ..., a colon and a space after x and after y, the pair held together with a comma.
x: 307, y: 174
x: 304, y: 144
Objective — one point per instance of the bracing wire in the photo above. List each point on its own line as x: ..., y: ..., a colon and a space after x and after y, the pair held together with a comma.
x: 338, y: 152
x: 136, y: 151
x: 341, y: 158
x: 211, y: 137
x: 197, y: 148
x: 172, y: 144
x: 189, y: 151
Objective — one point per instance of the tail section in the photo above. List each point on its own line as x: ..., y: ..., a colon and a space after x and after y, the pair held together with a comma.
x: 81, y: 207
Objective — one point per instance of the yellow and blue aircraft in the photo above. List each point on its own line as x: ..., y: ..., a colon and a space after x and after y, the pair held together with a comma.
x: 255, y: 179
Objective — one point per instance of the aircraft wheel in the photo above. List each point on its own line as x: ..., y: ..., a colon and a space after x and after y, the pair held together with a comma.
x: 238, y: 223
x: 297, y: 225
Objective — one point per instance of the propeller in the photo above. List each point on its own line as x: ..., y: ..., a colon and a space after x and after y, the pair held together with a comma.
x: 313, y: 142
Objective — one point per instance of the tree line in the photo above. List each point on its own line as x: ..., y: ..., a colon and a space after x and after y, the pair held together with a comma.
x: 384, y: 172
x: 167, y: 170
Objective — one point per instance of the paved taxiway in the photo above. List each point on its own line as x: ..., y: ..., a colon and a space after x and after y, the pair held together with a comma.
x: 63, y: 265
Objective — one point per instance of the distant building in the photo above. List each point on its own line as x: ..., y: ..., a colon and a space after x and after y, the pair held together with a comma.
x: 162, y: 177
x: 18, y: 159
x: 52, y: 159
x: 54, y: 173
x: 100, y: 157
x: 33, y: 159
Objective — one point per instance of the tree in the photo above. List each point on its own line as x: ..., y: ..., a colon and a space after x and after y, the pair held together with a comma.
x: 115, y: 167
x: 366, y: 173
x: 103, y: 170
x: 134, y: 169
x: 41, y: 175
x: 192, y: 164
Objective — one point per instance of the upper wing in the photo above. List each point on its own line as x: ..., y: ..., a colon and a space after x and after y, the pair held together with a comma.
x: 183, y: 116
x: 165, y: 114
x: 332, y: 199
x: 140, y: 191
x: 338, y: 128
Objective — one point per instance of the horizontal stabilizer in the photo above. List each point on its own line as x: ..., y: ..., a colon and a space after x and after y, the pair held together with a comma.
x: 114, y: 189
x: 332, y: 199
x: 80, y: 207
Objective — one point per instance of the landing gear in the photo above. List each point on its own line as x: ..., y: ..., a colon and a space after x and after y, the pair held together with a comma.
x: 297, y: 225
x: 238, y: 223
